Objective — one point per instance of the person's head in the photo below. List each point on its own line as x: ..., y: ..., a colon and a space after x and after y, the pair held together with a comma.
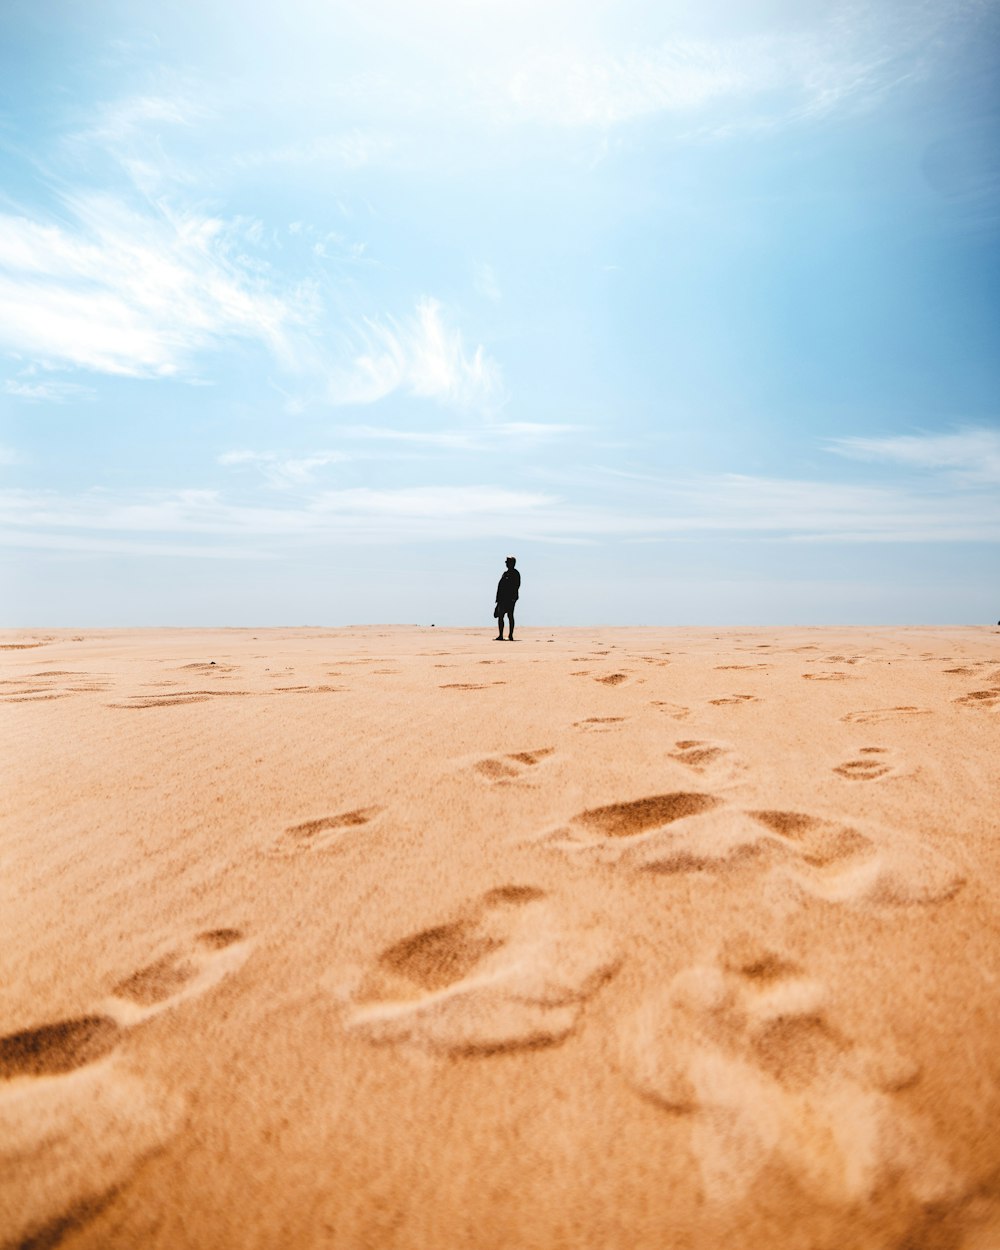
x: 510, y: 562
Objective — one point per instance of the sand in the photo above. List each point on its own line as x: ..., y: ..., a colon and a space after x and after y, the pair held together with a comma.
x: 405, y: 938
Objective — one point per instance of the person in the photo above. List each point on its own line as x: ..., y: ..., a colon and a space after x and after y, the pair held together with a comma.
x: 507, y: 591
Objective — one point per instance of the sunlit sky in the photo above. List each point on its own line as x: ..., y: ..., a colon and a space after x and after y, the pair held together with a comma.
x: 310, y: 313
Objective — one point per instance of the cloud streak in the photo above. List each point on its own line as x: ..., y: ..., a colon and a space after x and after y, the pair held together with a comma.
x: 729, y: 86
x: 132, y: 283
x: 284, y: 471
x: 136, y: 294
x: 48, y: 390
x: 421, y: 355
x: 973, y: 453
x: 736, y: 506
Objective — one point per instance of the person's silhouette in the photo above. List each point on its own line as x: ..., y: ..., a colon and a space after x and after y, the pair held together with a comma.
x: 507, y: 592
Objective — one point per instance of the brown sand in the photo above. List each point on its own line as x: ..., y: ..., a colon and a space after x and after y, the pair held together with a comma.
x: 403, y: 938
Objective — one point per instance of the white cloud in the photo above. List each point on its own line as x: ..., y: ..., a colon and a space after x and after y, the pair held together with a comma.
x: 133, y: 293
x: 284, y: 470
x: 147, y: 292
x: 973, y: 452
x: 847, y: 59
x: 574, y: 89
x: 122, y: 120
x: 633, y: 507
x: 362, y: 513
x: 350, y: 150
x: 486, y: 438
x: 48, y: 390
x: 420, y: 355
x: 129, y: 129
x: 131, y: 284
x: 91, y: 544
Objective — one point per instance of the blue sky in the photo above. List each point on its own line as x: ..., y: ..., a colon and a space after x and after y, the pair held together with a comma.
x: 312, y: 312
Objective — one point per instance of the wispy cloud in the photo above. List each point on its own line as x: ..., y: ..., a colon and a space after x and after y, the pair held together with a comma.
x: 147, y: 292
x: 48, y: 390
x: 121, y: 120
x: 420, y: 355
x: 496, y: 435
x: 129, y: 128
x: 284, y: 470
x: 351, y: 150
x: 134, y: 283
x: 971, y: 452
x: 637, y: 508
x: 326, y: 516
x: 129, y: 292
x: 94, y: 544
x: 723, y: 86
x: 577, y: 89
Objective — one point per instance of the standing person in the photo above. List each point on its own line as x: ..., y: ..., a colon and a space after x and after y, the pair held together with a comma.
x: 507, y: 592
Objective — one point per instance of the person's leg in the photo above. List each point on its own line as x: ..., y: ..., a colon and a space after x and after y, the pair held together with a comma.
x: 499, y: 637
x: 510, y: 619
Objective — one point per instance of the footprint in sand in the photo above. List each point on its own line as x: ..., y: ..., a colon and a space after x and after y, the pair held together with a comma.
x: 745, y: 1052
x: 74, y: 1126
x: 696, y: 753
x: 872, y: 763
x: 310, y: 689
x: 837, y: 863
x: 70, y: 1144
x: 613, y: 679
x: 634, y: 833
x: 142, y: 701
x: 54, y: 1049
x: 503, y: 769
x: 714, y: 760
x: 731, y: 668
x: 677, y: 711
x: 733, y: 699
x: 324, y: 832
x: 209, y: 668
x: 879, y: 715
x: 185, y: 972
x: 685, y: 832
x: 599, y: 724
x: 980, y: 698
x: 832, y: 676
x: 510, y: 971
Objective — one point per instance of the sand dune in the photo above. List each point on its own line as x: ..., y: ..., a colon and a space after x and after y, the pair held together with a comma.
x: 398, y: 937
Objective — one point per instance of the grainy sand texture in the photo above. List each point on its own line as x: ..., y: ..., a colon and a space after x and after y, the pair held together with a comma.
x: 406, y: 939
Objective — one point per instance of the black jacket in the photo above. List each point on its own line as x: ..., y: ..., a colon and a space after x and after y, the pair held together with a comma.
x: 508, y: 586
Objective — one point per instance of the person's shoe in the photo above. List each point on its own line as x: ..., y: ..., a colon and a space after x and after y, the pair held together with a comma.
x: 498, y: 638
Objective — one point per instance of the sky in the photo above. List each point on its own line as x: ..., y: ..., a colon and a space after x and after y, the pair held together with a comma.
x: 312, y: 312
